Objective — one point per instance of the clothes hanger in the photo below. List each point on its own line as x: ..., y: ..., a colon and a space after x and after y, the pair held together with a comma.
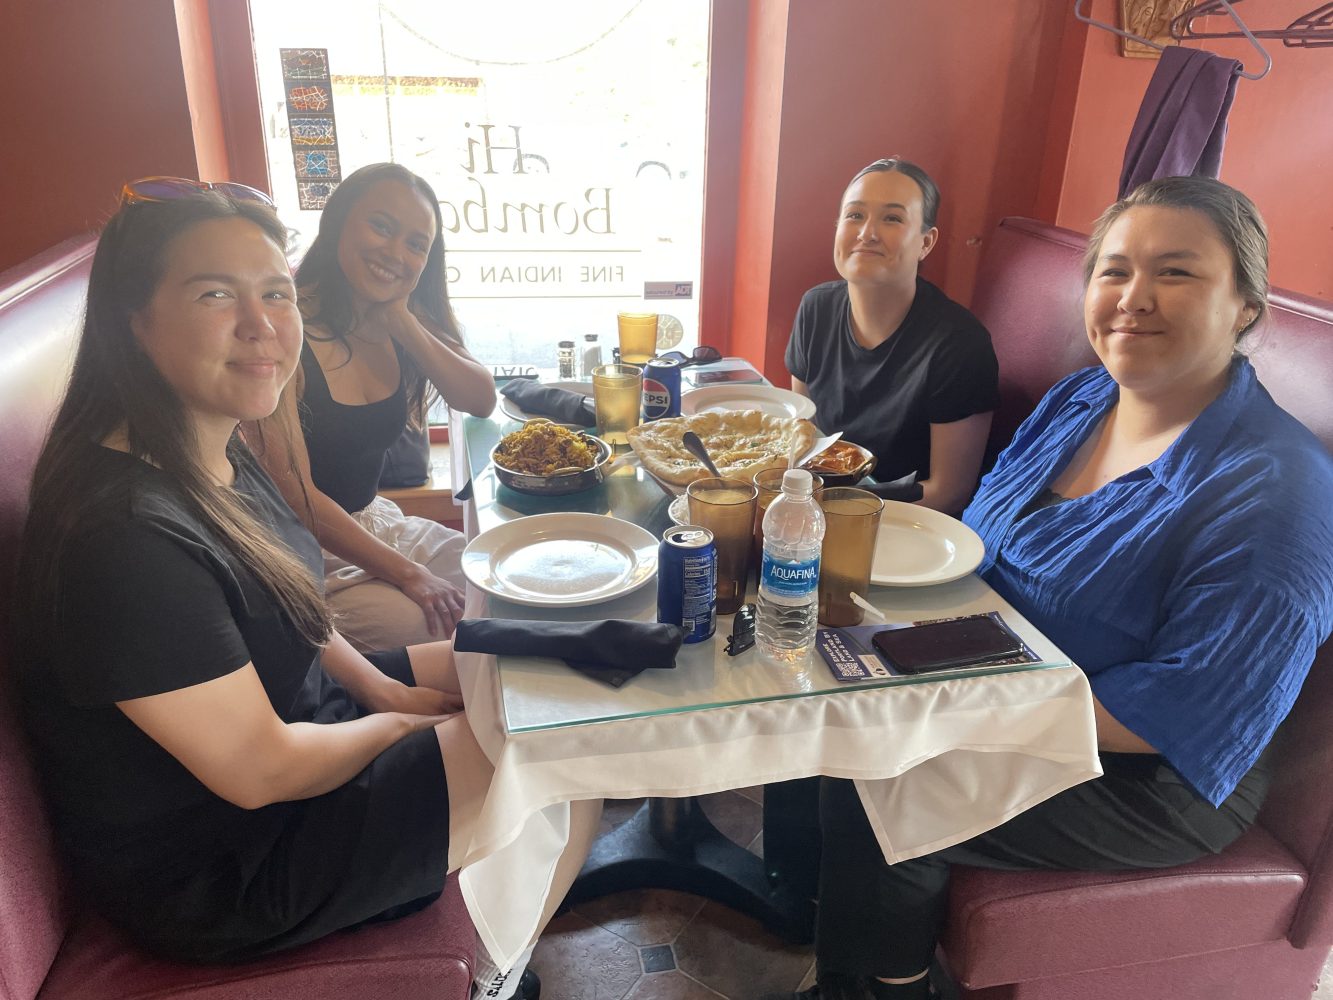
x: 1199, y: 10
x: 1088, y: 19
x: 1310, y: 30
x: 1182, y: 26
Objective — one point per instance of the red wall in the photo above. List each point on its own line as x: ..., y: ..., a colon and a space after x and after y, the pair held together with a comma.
x: 1279, y: 149
x: 91, y: 95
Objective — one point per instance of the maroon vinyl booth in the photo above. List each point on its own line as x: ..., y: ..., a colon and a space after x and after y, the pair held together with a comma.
x: 1256, y: 921
x: 50, y: 946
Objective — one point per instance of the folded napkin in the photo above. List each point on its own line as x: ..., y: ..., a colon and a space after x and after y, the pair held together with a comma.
x: 562, y: 405
x: 613, y: 650
x: 906, y: 489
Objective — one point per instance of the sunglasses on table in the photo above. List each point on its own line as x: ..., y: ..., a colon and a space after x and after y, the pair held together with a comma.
x: 171, y: 188
x: 699, y: 356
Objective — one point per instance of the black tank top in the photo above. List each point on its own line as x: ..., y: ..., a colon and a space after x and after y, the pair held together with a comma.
x: 347, y: 443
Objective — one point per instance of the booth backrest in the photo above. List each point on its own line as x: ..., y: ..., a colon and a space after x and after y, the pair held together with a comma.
x: 1029, y: 295
x: 41, y: 307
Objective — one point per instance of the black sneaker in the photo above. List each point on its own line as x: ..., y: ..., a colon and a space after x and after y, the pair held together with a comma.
x: 529, y: 986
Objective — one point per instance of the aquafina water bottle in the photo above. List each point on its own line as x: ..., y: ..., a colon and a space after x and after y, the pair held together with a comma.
x: 789, y: 580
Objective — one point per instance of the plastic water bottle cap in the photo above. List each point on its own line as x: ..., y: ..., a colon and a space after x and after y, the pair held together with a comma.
x: 797, y: 483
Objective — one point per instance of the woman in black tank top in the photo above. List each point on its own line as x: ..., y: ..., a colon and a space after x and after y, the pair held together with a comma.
x: 380, y: 338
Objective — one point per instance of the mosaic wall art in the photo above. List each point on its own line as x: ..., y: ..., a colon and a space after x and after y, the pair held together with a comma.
x: 311, y: 124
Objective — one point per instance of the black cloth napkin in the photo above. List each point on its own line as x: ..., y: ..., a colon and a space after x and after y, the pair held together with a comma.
x: 612, y: 650
x: 561, y: 405
x: 906, y: 489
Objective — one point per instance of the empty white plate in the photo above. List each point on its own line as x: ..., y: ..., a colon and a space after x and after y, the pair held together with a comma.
x: 769, y: 398
x: 562, y: 560
x: 918, y: 547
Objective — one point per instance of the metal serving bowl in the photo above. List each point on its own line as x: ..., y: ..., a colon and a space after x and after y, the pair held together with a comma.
x: 560, y: 483
x: 851, y: 478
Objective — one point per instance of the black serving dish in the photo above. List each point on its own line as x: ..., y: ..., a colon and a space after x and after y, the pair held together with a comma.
x: 565, y: 482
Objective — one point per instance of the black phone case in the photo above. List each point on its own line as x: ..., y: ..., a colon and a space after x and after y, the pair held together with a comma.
x: 921, y: 649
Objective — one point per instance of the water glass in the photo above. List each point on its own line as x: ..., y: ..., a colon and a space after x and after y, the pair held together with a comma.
x: 617, y: 392
x: 638, y: 336
x: 851, y: 519
x: 726, y: 508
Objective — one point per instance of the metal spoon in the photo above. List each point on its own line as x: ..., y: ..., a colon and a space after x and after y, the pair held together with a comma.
x: 696, y: 448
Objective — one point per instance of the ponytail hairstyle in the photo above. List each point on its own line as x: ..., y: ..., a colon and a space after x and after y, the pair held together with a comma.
x: 320, y: 277
x: 116, y: 388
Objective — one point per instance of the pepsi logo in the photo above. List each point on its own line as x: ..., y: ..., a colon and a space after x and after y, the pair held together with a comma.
x: 656, y: 399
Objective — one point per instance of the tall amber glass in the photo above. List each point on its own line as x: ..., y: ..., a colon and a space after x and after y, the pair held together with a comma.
x: 769, y: 484
x: 726, y: 508
x: 617, y: 395
x: 638, y: 336
x: 851, y: 519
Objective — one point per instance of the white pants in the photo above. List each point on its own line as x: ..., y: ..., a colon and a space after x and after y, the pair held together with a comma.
x: 374, y: 614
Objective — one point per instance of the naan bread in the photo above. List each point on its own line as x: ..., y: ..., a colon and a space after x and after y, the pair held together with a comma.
x: 741, y: 442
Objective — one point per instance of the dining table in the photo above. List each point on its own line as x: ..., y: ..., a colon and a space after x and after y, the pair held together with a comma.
x: 935, y: 760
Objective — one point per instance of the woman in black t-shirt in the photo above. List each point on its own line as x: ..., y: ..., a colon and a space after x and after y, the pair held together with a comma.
x: 227, y: 775
x: 380, y: 336
x: 886, y: 356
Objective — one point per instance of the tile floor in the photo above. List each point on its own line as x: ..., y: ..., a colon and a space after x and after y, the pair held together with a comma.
x: 661, y: 945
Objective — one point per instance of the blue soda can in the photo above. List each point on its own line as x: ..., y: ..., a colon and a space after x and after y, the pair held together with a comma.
x: 687, y: 581
x: 661, y: 389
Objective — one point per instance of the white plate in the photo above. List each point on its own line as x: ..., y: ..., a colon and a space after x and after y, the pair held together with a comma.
x: 561, y: 560
x: 917, y: 547
x: 769, y: 398
x: 511, y: 409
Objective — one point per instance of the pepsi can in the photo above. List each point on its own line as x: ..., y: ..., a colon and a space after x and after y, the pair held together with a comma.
x: 661, y: 389
x: 687, y: 581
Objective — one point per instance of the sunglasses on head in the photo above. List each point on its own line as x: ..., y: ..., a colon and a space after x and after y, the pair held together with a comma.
x: 171, y: 188
x: 701, y: 355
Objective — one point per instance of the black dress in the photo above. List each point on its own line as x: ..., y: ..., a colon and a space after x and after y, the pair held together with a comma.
x: 155, y: 603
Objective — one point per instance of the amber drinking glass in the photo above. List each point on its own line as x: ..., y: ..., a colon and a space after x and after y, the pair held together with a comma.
x: 617, y: 393
x: 851, y: 519
x: 726, y: 508
x: 769, y: 484
x: 638, y: 336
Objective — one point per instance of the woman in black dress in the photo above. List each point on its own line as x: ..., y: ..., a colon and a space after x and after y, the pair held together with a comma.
x: 227, y: 776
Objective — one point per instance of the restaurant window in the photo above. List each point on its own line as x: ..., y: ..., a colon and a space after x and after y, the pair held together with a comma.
x: 565, y: 143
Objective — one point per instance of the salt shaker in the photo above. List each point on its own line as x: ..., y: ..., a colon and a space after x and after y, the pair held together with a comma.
x: 592, y: 355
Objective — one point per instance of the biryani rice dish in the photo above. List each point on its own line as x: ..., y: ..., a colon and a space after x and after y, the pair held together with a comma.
x: 540, y: 448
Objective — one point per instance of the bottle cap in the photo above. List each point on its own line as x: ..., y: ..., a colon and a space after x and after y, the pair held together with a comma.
x: 590, y: 337
x: 797, y: 483
x: 566, y: 343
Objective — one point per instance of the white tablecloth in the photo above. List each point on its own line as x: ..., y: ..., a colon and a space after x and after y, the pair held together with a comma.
x: 934, y: 764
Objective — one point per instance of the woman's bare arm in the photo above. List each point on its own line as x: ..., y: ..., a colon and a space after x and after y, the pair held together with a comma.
x: 956, y: 451
x: 225, y: 732
x: 1114, y: 736
x: 285, y: 458
x: 463, y: 381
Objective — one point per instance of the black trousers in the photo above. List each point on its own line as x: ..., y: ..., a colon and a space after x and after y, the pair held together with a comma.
x: 877, y: 919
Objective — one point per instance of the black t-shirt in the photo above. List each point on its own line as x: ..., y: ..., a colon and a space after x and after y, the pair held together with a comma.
x: 150, y: 602
x: 937, y: 367
x: 346, y: 444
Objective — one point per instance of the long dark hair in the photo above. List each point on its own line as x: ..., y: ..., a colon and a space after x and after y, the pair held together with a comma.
x: 321, y: 276
x: 114, y: 387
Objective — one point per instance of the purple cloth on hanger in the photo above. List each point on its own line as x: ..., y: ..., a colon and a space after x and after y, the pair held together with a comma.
x: 1182, y: 122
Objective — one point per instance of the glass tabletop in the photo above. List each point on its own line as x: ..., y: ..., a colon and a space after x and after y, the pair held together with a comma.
x: 540, y: 693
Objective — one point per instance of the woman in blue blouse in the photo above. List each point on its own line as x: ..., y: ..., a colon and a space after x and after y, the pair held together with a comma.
x: 1163, y: 521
